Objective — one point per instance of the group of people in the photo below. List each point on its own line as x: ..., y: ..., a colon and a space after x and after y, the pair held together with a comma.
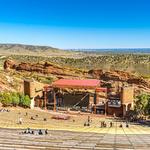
x: 37, y: 132
x: 104, y: 124
x: 111, y: 124
x: 32, y: 118
x: 121, y: 126
x: 4, y: 110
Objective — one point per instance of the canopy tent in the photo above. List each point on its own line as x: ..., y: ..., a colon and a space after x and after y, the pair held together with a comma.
x: 77, y: 84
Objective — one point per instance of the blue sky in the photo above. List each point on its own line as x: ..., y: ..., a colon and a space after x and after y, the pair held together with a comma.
x: 76, y: 23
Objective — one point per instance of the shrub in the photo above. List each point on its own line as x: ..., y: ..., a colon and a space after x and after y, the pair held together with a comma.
x: 6, y: 99
x: 26, y: 101
x: 15, y: 99
x: 142, y: 104
x: 1, y: 96
x: 21, y: 99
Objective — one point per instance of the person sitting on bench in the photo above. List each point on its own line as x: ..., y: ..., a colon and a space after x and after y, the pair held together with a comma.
x: 120, y: 126
x: 27, y: 131
x: 40, y: 132
x: 111, y: 124
x: 46, y: 131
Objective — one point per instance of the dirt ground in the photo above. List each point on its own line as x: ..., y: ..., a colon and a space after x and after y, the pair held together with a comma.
x: 75, y: 123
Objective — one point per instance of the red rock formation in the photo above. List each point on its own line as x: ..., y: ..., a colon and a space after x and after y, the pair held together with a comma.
x: 60, y: 72
x: 9, y: 64
x: 45, y: 68
x: 119, y: 76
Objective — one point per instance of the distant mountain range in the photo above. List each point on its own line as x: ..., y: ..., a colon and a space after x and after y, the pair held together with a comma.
x: 47, y: 50
x: 133, y: 60
x: 117, y: 50
x: 20, y: 49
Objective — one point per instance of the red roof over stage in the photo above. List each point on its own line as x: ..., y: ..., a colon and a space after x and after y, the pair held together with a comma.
x: 82, y: 84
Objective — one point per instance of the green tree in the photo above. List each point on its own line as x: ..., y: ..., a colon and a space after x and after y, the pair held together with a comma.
x: 6, y: 99
x: 142, y: 106
x: 26, y: 101
x: 1, y: 97
x: 15, y: 99
x: 147, y: 111
x: 21, y: 99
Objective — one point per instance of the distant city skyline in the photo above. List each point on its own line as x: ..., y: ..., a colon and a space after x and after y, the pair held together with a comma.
x: 76, y: 24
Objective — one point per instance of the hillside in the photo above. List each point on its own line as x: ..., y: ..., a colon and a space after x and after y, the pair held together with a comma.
x: 136, y: 64
x: 47, y: 72
x: 46, y: 64
x: 131, y: 62
x: 32, y: 50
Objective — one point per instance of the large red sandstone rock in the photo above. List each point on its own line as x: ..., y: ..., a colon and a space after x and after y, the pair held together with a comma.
x: 9, y: 64
x: 119, y: 76
x: 47, y: 68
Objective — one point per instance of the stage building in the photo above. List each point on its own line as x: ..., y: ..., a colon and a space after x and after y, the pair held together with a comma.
x: 84, y: 95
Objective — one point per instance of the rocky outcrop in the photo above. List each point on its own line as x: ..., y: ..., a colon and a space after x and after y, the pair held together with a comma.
x: 45, y: 68
x: 119, y: 76
x: 42, y: 68
x: 9, y: 64
x: 62, y: 72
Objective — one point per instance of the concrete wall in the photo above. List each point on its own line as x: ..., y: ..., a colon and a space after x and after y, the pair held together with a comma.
x: 32, y: 103
x: 33, y: 89
x: 127, y: 95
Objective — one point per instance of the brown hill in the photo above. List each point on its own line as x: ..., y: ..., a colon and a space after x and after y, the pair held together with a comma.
x: 34, y: 50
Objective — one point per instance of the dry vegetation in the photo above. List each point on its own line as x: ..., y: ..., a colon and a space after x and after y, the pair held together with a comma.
x: 73, y: 64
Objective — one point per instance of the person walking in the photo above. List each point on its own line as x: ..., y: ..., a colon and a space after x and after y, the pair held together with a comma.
x: 20, y: 120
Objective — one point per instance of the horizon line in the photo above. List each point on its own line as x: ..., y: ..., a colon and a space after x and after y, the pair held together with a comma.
x: 50, y: 46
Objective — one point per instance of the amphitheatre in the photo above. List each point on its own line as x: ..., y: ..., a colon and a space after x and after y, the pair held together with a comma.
x: 82, y: 109
x: 69, y: 134
x: 74, y: 74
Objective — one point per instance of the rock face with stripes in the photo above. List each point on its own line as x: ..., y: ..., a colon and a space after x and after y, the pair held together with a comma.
x: 44, y: 68
x: 119, y: 76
